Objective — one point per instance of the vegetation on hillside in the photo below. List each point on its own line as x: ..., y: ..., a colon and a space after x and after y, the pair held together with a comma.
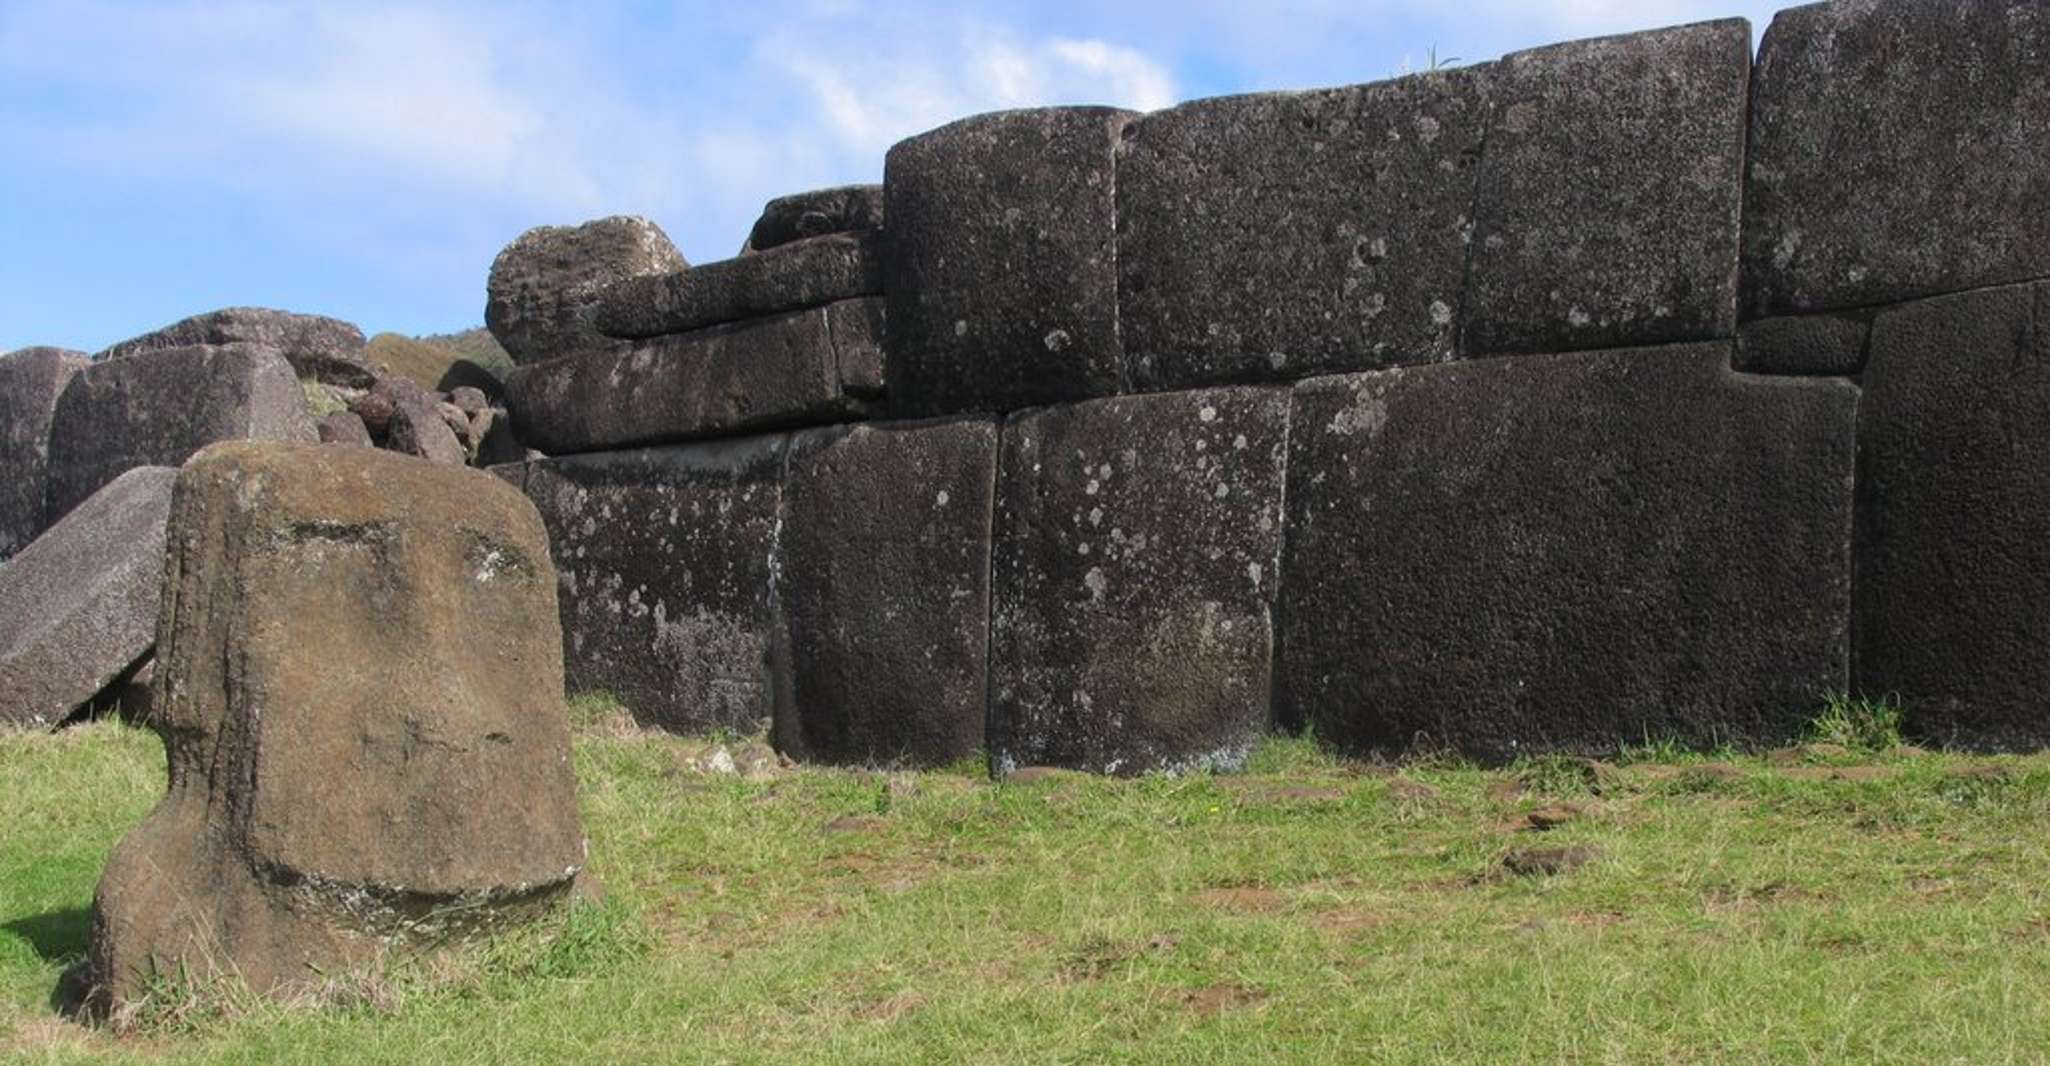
x: 424, y: 360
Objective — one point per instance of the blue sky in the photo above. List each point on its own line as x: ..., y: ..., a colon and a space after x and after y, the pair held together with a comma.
x: 366, y: 160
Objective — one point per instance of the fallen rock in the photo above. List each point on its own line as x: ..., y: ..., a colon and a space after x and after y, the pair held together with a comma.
x: 80, y: 602
x: 809, y: 273
x: 344, y: 778
x: 841, y: 209
x: 343, y: 427
x: 545, y: 286
x: 324, y: 349
x: 419, y: 428
x: 463, y: 374
x: 468, y: 399
x: 1547, y: 862
x: 30, y: 382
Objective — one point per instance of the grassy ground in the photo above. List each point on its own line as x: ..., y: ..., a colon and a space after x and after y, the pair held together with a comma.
x: 1839, y: 905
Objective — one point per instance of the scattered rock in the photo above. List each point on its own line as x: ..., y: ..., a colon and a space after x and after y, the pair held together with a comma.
x: 468, y: 399
x: 343, y: 427
x: 799, y: 216
x: 545, y: 287
x: 1547, y: 862
x: 418, y: 426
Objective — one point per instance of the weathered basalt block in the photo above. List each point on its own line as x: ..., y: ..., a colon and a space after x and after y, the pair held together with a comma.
x: 343, y: 427
x: 808, y: 273
x: 1953, y: 546
x: 795, y: 369
x: 543, y: 295
x: 1898, y: 149
x: 359, y: 686
x: 1135, y: 566
x: 1278, y: 235
x: 1559, y: 553
x: 666, y: 556
x: 1804, y: 344
x: 318, y: 347
x: 80, y: 602
x: 1002, y: 261
x: 1608, y: 203
x: 159, y: 407
x: 799, y: 216
x: 884, y: 592
x: 30, y: 382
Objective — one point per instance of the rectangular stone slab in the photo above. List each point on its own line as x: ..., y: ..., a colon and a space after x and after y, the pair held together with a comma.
x: 665, y: 557
x: 776, y: 372
x: 1564, y: 553
x: 30, y: 382
x: 1607, y: 209
x: 1273, y: 236
x: 1897, y: 150
x: 884, y: 591
x: 1001, y: 269
x: 1134, y: 572
x: 808, y: 273
x: 1953, y: 546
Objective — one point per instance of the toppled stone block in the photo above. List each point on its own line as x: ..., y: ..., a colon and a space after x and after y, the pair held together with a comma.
x: 808, y: 273
x: 1274, y: 236
x: 1135, y: 564
x: 1608, y: 203
x: 1823, y: 344
x: 1002, y: 268
x: 324, y: 349
x: 1953, y: 543
x: 420, y: 427
x: 885, y: 575
x: 30, y: 382
x: 80, y: 602
x: 799, y: 216
x: 666, y: 557
x: 1557, y: 553
x: 343, y: 427
x: 345, y: 775
x: 783, y: 371
x: 543, y: 295
x: 1897, y: 150
x: 156, y: 409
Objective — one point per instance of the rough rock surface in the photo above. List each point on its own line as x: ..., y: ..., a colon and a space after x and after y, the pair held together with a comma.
x: 1608, y: 203
x: 841, y: 209
x: 1897, y: 150
x: 359, y: 687
x: 1953, y: 547
x: 1002, y: 266
x: 318, y: 347
x: 1274, y: 236
x: 418, y: 427
x: 1823, y: 344
x: 343, y: 427
x: 80, y: 603
x: 808, y: 273
x: 857, y: 329
x: 158, y: 409
x: 884, y: 591
x: 30, y: 382
x: 543, y: 294
x: 776, y: 372
x: 1133, y: 576
x: 1555, y: 553
x: 666, y: 557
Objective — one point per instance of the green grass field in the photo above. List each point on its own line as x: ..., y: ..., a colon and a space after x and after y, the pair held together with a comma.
x: 1842, y: 904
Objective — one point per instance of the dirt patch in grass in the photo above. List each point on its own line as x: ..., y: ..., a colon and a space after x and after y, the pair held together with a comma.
x: 1840, y: 773
x: 1216, y: 999
x: 1546, y: 862
x: 1349, y: 921
x: 1404, y: 790
x: 854, y: 823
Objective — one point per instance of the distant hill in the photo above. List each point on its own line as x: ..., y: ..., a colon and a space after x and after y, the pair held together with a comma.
x: 424, y: 360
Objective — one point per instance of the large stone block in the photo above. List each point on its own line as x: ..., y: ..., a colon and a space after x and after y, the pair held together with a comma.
x: 359, y: 686
x: 30, y: 382
x: 542, y: 298
x: 80, y: 603
x: 666, y: 558
x: 1279, y: 235
x: 1825, y: 344
x: 884, y: 591
x: 792, y: 370
x: 1002, y: 266
x: 799, y: 216
x: 1565, y: 553
x: 1609, y: 190
x: 1134, y: 572
x: 1953, y: 546
x: 808, y: 273
x: 326, y: 349
x: 159, y: 407
x: 1898, y: 149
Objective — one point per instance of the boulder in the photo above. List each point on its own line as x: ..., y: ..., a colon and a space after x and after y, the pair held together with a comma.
x: 1825, y: 344
x: 492, y: 436
x: 1565, y: 553
x: 462, y: 373
x: 1897, y: 150
x: 1273, y: 236
x: 81, y: 601
x: 1136, y: 557
x: 544, y: 289
x: 157, y: 410
x: 359, y: 687
x: 1002, y: 268
x: 841, y: 209
x: 666, y: 558
x: 343, y: 427
x: 781, y: 371
x: 1607, y: 209
x: 419, y: 427
x: 884, y: 573
x: 809, y: 273
x: 324, y: 349
x: 30, y: 382
x: 1953, y: 542
x: 468, y: 399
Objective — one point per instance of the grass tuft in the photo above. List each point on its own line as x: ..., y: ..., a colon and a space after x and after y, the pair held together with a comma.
x: 1857, y: 723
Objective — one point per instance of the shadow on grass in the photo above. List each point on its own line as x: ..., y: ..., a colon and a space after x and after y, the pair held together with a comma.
x: 55, y: 936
